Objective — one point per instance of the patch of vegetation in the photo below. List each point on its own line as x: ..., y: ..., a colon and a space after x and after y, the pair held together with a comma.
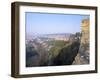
x: 58, y: 43
x: 57, y: 46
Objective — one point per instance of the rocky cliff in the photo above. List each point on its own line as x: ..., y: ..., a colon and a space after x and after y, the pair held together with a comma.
x: 83, y: 55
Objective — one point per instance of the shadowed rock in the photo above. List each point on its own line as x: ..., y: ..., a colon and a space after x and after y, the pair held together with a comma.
x: 67, y: 54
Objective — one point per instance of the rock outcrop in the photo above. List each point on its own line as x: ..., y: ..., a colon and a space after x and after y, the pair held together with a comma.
x: 83, y: 55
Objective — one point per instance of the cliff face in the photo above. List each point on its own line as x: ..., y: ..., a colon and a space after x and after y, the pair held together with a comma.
x: 85, y: 32
x: 83, y: 55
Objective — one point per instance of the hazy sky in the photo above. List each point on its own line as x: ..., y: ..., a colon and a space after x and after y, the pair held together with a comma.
x: 43, y: 23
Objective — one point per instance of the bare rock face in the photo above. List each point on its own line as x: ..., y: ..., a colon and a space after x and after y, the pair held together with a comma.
x: 83, y: 55
x: 85, y: 31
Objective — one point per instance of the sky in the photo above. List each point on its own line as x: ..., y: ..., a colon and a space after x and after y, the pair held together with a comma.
x: 46, y: 23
